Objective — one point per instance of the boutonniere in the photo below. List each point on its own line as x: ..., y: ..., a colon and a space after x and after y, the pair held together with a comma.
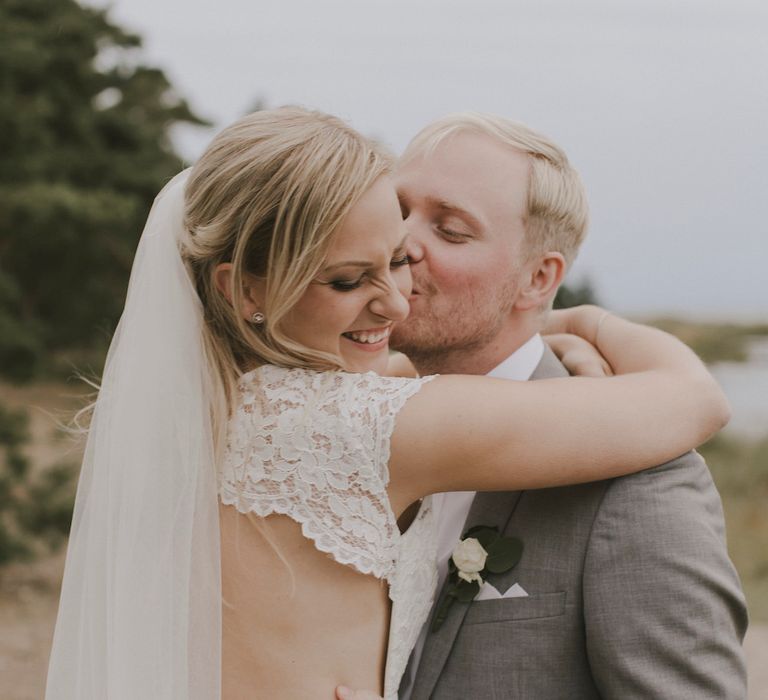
x: 481, y: 551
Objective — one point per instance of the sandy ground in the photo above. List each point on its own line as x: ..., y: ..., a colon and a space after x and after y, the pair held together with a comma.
x: 28, y: 600
x: 29, y: 592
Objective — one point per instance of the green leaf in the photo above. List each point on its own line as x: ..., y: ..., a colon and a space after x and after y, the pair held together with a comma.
x: 466, y: 591
x: 483, y: 534
x: 503, y: 554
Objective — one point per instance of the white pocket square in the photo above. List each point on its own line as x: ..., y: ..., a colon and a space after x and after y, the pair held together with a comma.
x: 488, y: 592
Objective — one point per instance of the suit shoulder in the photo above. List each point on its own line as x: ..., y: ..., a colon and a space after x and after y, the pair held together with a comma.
x: 686, y: 476
x: 677, y: 499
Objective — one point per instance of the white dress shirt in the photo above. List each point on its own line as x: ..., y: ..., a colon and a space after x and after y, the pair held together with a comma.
x: 451, y: 509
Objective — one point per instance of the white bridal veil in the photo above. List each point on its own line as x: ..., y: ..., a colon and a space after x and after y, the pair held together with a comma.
x: 139, y: 617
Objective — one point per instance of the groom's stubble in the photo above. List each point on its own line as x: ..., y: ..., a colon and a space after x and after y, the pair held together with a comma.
x: 445, y: 331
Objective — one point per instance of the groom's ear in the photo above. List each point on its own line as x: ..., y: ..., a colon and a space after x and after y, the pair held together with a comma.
x: 253, y: 288
x: 539, y: 281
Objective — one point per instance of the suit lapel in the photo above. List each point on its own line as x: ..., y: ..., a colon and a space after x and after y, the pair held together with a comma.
x: 490, y: 508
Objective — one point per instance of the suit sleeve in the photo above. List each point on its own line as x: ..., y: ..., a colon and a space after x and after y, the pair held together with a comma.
x: 664, y: 612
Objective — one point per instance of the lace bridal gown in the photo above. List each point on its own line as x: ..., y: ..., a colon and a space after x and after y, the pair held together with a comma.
x: 315, y: 446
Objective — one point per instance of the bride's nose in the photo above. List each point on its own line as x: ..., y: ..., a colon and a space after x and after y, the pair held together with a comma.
x: 391, y: 304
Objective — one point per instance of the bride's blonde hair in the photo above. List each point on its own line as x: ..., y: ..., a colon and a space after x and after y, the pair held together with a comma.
x: 267, y: 196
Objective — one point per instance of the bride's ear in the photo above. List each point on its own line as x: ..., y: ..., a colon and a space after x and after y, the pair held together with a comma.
x: 252, y: 299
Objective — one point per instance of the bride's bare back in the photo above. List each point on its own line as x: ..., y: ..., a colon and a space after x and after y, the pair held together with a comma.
x: 311, y: 550
x: 295, y: 628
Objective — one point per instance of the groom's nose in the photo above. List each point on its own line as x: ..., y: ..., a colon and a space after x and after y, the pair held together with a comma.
x: 414, y: 247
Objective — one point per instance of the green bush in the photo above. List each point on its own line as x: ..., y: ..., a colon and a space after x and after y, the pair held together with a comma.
x: 35, y: 508
x: 575, y: 294
x: 740, y: 470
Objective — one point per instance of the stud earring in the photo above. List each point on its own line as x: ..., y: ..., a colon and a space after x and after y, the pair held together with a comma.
x: 257, y: 318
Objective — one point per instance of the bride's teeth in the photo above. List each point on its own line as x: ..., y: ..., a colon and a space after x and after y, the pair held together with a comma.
x: 368, y: 337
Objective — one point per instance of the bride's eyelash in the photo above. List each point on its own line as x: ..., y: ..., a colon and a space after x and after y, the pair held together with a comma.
x: 349, y: 285
x: 399, y: 262
x: 346, y: 285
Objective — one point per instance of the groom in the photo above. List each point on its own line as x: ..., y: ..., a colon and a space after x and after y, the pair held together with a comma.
x: 624, y: 589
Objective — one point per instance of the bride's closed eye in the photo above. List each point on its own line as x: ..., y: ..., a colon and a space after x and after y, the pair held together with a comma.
x: 346, y: 285
x: 400, y: 261
x: 343, y: 285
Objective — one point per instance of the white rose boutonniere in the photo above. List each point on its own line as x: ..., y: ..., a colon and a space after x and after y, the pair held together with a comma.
x: 481, y: 551
x: 469, y: 558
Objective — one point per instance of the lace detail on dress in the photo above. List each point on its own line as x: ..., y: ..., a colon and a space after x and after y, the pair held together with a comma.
x: 315, y: 446
x: 412, y: 590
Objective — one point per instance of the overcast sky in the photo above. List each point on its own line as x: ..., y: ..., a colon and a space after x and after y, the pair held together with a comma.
x: 661, y: 104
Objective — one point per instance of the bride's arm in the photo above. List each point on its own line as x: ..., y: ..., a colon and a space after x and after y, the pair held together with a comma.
x: 344, y: 693
x: 461, y: 432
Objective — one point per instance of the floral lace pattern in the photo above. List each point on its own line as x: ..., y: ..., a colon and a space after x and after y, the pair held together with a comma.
x: 315, y: 446
x: 412, y: 590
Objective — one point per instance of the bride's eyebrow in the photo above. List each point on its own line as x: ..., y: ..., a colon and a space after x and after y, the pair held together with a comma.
x: 365, y: 263
x: 349, y: 263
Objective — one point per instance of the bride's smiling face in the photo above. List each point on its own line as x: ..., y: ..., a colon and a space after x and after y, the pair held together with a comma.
x: 363, y: 287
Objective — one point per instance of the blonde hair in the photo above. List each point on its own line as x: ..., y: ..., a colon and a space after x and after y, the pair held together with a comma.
x: 267, y: 196
x: 557, y: 211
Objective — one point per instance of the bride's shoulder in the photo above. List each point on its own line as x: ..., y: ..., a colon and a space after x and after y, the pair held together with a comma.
x: 281, y: 386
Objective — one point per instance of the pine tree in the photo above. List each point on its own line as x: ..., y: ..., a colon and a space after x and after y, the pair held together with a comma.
x: 84, y: 137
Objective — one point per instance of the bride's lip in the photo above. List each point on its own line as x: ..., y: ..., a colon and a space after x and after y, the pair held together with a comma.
x: 370, y: 347
x: 380, y: 329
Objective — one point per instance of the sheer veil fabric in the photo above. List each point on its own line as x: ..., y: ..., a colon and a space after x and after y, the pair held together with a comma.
x: 139, y: 615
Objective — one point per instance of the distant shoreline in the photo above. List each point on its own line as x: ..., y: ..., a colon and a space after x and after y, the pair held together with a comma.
x: 711, y: 340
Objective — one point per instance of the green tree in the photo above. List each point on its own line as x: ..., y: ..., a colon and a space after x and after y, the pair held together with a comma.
x: 575, y: 294
x: 84, y: 133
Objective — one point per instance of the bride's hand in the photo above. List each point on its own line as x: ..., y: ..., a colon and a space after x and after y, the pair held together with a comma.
x: 580, y: 357
x: 344, y: 693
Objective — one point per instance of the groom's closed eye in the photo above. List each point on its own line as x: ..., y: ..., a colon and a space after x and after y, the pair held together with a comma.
x: 453, y: 236
x: 454, y: 229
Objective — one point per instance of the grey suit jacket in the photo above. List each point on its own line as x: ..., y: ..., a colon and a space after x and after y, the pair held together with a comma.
x: 631, y: 595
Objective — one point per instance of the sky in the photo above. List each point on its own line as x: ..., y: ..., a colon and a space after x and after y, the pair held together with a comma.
x: 662, y: 105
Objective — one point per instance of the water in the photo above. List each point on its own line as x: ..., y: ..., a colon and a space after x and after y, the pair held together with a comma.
x: 746, y: 386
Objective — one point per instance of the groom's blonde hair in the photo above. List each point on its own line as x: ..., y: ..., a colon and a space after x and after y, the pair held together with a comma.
x: 557, y: 214
x: 267, y: 196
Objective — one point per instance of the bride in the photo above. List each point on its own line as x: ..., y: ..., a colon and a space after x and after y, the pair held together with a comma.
x: 235, y: 532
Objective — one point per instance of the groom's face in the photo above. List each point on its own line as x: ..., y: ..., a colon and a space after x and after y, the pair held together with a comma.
x: 464, y: 205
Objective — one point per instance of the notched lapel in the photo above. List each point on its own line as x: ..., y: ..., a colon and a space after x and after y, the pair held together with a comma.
x: 487, y: 509
x: 492, y: 509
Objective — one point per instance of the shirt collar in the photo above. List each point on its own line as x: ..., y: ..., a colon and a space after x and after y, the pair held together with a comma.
x: 521, y: 363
